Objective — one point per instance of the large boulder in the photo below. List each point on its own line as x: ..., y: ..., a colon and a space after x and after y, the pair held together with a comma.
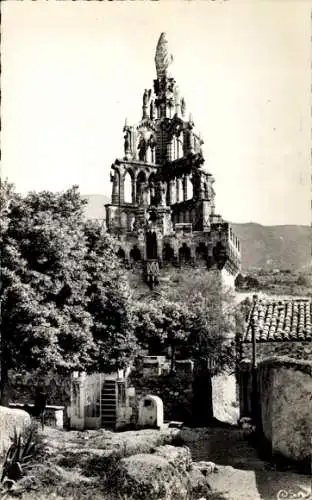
x: 205, y: 467
x: 11, y: 420
x: 150, y: 476
x: 179, y: 457
x: 198, y: 484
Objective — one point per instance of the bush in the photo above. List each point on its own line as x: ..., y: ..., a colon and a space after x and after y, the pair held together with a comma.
x: 18, y: 460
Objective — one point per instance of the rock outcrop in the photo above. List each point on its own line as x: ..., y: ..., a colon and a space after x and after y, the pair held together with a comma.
x: 10, y: 420
x: 166, y: 474
x: 150, y: 476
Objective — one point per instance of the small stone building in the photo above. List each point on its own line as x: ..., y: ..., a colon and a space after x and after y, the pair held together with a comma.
x: 163, y: 200
x: 281, y: 328
x: 100, y: 400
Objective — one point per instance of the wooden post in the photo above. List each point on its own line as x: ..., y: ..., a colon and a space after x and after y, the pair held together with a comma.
x: 254, y: 367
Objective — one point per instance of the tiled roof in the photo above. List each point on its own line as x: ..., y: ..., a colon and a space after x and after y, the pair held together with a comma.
x: 280, y: 320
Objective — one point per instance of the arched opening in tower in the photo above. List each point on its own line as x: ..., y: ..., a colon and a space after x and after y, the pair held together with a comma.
x: 219, y: 254
x: 168, y: 253
x: 179, y: 190
x: 151, y: 245
x: 128, y: 187
x: 121, y: 254
x: 152, y: 188
x: 135, y: 254
x: 141, y: 194
x: 201, y: 253
x: 184, y: 254
x: 189, y: 188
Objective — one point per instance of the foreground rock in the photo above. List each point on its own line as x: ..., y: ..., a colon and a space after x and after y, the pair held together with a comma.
x: 167, y: 474
x: 11, y: 420
x: 150, y: 476
x: 179, y: 457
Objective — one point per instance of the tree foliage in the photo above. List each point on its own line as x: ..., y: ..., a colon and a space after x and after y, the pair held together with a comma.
x: 193, y: 316
x: 64, y: 296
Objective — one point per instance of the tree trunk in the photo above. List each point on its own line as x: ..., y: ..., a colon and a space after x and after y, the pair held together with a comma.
x: 202, y: 399
x: 4, y: 397
x: 4, y: 371
x: 172, y: 357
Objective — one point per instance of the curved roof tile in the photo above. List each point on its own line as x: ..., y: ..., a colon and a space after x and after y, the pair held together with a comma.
x: 280, y: 320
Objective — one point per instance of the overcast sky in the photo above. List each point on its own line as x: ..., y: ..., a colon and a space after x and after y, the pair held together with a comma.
x: 72, y: 72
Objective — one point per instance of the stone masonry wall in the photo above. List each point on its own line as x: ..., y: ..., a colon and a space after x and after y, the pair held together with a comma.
x: 286, y: 406
x: 297, y: 350
x: 23, y: 385
x: 174, y: 390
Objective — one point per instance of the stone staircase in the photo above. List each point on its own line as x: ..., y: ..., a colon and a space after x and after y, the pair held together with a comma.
x: 108, y: 404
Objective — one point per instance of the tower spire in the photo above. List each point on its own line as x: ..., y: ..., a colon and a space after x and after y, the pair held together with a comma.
x: 163, y: 59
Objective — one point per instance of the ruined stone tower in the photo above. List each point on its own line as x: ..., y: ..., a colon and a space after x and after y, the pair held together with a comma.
x: 162, y: 206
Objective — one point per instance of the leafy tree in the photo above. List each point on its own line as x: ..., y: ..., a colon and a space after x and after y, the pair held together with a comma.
x: 148, y: 325
x: 197, y: 318
x: 252, y: 282
x: 213, y: 317
x: 62, y: 306
x: 239, y: 281
x: 302, y: 281
x: 109, y: 301
x: 177, y: 325
x: 161, y: 325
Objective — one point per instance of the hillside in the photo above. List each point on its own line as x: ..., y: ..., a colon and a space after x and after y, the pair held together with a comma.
x: 274, y: 247
x: 266, y: 247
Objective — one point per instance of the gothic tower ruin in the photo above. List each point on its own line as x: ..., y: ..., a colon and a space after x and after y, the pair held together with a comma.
x: 163, y: 200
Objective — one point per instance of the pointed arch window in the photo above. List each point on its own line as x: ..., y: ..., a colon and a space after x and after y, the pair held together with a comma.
x: 151, y: 245
x: 128, y: 187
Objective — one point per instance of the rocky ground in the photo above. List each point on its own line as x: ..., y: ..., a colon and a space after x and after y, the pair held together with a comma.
x: 243, y: 474
x: 139, y: 465
x: 133, y: 465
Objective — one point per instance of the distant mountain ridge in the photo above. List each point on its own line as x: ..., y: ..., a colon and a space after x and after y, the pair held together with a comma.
x: 274, y: 247
x: 266, y: 247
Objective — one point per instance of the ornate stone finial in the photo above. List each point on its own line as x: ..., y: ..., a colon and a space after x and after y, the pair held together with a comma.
x: 163, y: 59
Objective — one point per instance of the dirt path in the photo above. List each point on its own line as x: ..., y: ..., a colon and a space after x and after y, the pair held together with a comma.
x: 243, y: 475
